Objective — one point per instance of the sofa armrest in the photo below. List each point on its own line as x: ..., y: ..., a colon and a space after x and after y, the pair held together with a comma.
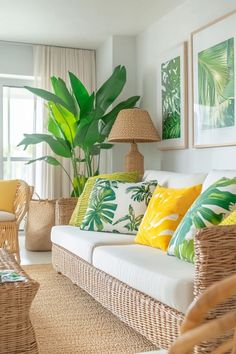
x: 215, y: 255
x: 64, y: 210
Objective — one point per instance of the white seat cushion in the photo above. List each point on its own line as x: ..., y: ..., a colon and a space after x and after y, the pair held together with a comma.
x: 82, y: 243
x: 5, y: 216
x: 150, y: 271
x: 215, y: 175
x: 174, y: 179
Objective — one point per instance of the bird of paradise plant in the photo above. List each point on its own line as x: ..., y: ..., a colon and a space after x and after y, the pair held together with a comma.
x: 77, y: 118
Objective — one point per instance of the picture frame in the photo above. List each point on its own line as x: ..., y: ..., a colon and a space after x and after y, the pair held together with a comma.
x: 214, y: 83
x: 173, y: 99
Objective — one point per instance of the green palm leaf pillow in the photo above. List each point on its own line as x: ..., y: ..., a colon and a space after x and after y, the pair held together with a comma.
x: 209, y: 209
x: 116, y: 206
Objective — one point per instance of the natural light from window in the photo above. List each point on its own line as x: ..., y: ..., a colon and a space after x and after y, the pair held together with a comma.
x: 18, y: 119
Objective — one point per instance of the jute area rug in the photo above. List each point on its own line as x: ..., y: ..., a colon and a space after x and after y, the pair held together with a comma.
x: 67, y: 320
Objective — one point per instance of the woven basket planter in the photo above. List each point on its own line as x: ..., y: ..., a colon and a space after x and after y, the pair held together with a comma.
x: 64, y: 210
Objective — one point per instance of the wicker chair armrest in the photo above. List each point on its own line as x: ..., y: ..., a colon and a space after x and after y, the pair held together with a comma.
x: 215, y: 255
x: 21, y: 202
x: 64, y: 210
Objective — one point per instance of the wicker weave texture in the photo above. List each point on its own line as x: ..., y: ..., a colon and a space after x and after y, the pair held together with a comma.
x: 154, y: 320
x: 215, y: 259
x: 16, y: 332
x: 9, y: 229
x: 215, y: 250
x: 133, y: 125
x: 64, y: 210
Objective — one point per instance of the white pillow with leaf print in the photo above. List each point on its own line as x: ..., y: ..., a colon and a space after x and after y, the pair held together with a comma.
x: 209, y: 209
x: 117, y: 206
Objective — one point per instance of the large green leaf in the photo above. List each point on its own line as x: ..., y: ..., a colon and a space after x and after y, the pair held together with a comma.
x: 47, y: 95
x: 49, y: 159
x: 87, y: 107
x: 216, y: 77
x: 57, y: 145
x: 87, y: 132
x: 79, y: 90
x: 62, y: 91
x: 111, y: 89
x: 54, y: 127
x: 100, y: 209
x: 65, y: 119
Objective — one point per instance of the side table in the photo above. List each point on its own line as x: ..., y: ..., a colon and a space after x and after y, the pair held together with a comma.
x: 16, y: 331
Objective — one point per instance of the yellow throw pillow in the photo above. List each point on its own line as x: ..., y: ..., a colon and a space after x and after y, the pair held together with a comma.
x: 81, y: 207
x: 230, y: 219
x: 7, y: 195
x: 164, y: 213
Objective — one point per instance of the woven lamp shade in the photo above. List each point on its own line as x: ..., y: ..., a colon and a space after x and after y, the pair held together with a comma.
x: 133, y: 125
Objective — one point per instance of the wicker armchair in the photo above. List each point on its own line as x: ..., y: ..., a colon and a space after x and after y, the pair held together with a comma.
x: 9, y: 229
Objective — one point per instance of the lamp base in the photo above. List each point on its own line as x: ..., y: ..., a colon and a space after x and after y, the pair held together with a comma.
x: 134, y: 160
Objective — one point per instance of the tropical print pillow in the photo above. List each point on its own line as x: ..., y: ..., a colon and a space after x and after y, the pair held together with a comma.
x: 82, y: 204
x: 209, y: 209
x: 116, y: 206
x: 164, y: 213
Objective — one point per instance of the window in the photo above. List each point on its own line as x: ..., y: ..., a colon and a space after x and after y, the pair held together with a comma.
x: 17, y: 118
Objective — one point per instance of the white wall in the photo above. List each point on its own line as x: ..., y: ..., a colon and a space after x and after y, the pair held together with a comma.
x: 117, y: 50
x: 16, y: 58
x: 163, y: 35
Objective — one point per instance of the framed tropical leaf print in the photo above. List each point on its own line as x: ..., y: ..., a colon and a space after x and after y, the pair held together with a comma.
x: 214, y: 55
x: 172, y: 105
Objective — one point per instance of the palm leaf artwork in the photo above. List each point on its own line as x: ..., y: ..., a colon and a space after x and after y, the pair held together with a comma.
x: 209, y: 209
x: 101, y: 208
x: 142, y: 192
x: 133, y: 221
x: 171, y: 96
x: 216, y: 85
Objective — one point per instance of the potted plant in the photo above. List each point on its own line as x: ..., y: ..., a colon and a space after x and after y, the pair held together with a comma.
x: 77, y: 118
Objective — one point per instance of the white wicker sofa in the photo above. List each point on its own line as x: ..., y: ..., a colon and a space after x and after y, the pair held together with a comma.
x: 144, y: 287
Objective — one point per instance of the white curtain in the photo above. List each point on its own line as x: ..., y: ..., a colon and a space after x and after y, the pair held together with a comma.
x: 51, y: 182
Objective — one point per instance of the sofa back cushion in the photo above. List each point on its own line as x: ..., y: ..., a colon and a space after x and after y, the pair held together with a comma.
x: 174, y: 179
x: 215, y: 175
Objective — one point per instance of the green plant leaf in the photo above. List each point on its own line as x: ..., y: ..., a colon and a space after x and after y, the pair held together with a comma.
x: 49, y: 159
x: 87, y: 107
x: 109, y: 118
x: 100, y: 209
x: 57, y: 145
x: 106, y: 146
x: 79, y: 90
x: 111, y: 89
x: 47, y: 95
x: 54, y: 127
x: 62, y: 91
x: 65, y: 119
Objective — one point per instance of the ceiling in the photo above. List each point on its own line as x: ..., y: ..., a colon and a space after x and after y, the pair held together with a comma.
x: 77, y: 23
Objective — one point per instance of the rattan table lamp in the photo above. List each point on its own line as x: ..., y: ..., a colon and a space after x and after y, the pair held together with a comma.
x: 134, y: 126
